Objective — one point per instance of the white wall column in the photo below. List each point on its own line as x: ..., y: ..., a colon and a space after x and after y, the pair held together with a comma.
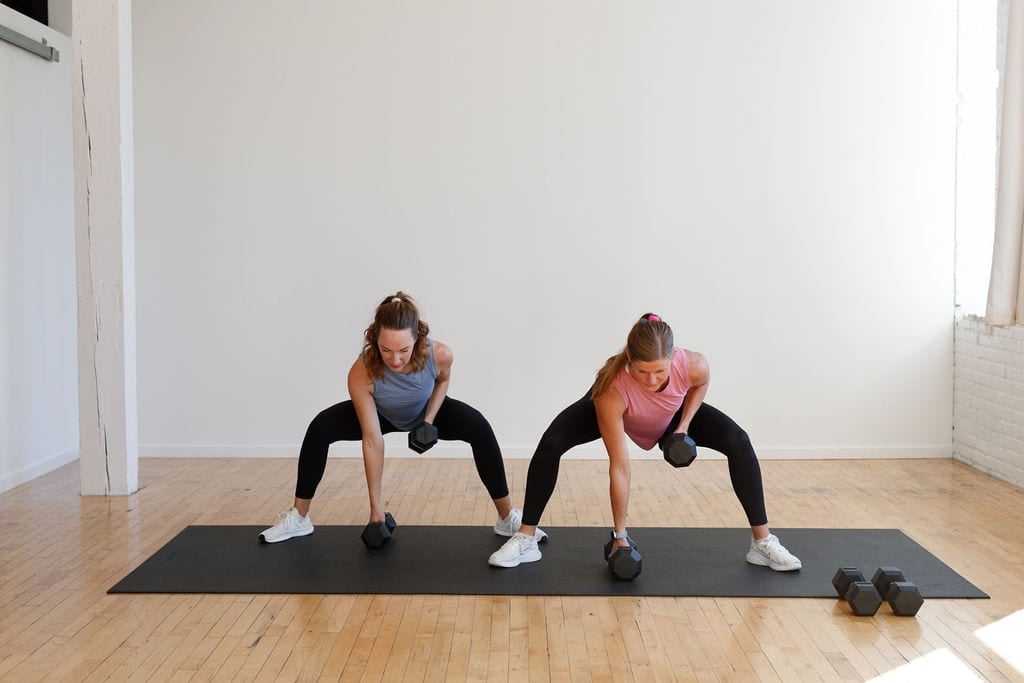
x: 105, y: 246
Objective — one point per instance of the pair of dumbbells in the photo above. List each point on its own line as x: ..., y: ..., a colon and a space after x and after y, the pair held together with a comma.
x: 625, y: 563
x: 888, y: 585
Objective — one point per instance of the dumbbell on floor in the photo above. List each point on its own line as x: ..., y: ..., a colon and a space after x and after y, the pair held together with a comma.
x: 844, y: 576
x: 863, y: 598
x: 679, y: 449
x: 376, y: 534
x: 903, y: 596
x: 422, y: 437
x: 860, y: 594
x: 625, y: 563
x: 887, y: 584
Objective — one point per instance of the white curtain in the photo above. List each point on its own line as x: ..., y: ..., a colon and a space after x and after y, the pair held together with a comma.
x: 1006, y: 286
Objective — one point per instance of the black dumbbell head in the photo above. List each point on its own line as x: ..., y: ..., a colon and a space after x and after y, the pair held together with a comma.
x: 679, y: 449
x: 422, y: 437
x: 611, y: 544
x: 625, y: 563
x: 863, y: 598
x: 904, y: 598
x: 885, y: 576
x: 376, y: 534
x: 843, y: 578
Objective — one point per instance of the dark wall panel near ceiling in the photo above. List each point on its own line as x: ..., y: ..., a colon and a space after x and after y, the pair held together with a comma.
x: 35, y: 9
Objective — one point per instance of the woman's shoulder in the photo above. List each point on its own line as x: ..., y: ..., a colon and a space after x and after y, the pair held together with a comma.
x: 689, y: 356
x: 359, y: 374
x: 694, y: 364
x: 611, y: 401
x: 442, y: 352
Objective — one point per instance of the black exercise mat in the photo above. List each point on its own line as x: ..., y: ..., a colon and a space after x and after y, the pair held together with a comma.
x: 453, y: 560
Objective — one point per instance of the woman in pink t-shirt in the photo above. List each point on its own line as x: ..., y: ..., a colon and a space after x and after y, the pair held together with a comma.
x: 649, y: 390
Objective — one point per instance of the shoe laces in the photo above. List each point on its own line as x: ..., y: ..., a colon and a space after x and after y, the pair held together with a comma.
x: 770, y: 546
x: 287, y: 519
x: 521, y: 541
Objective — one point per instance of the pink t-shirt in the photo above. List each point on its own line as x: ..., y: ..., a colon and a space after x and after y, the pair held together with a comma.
x: 648, y: 414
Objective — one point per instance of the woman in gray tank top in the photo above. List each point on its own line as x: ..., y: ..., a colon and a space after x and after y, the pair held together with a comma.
x: 398, y: 383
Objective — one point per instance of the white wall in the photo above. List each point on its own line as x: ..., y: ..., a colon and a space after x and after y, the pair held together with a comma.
x: 38, y: 366
x: 775, y: 179
x: 988, y: 419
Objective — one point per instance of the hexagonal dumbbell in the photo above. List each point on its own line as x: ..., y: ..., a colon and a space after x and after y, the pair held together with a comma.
x: 863, y: 598
x: 422, y: 437
x: 625, y: 563
x: 904, y: 598
x: 679, y: 449
x: 885, y: 576
x: 376, y: 534
x: 844, y: 576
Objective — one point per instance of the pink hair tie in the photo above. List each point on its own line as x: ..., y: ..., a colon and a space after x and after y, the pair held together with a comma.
x: 654, y: 318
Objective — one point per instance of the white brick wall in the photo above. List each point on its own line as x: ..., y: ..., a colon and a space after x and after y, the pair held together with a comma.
x: 988, y: 398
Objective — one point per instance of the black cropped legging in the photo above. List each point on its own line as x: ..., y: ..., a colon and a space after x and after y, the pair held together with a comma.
x: 710, y: 428
x: 455, y: 421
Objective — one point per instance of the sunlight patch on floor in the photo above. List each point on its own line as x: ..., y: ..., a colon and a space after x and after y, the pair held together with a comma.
x: 940, y: 665
x: 1004, y: 637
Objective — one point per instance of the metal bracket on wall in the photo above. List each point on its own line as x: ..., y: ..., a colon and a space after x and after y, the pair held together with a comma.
x: 36, y: 47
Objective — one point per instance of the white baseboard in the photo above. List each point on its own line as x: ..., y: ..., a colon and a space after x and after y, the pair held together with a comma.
x: 10, y: 480
x: 593, y: 451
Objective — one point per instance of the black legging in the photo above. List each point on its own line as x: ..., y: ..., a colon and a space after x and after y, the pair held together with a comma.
x: 710, y: 427
x: 455, y: 421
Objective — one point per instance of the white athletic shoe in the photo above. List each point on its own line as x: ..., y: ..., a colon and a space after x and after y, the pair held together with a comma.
x: 768, y: 552
x: 509, y: 525
x: 289, y: 525
x: 518, y: 549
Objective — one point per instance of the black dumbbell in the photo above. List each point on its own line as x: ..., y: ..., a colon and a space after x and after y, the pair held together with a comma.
x: 863, y: 598
x: 611, y: 544
x: 904, y: 598
x: 885, y: 576
x: 679, y: 449
x: 625, y: 563
x: 844, y: 576
x: 376, y: 534
x: 422, y: 437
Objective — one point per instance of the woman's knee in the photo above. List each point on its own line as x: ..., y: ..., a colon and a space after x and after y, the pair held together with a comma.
x: 552, y: 446
x: 319, y: 426
x: 736, y: 444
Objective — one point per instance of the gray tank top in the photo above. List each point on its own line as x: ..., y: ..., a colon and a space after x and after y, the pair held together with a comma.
x: 402, y: 399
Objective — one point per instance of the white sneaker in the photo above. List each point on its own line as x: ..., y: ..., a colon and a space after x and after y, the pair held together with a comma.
x: 518, y: 549
x: 509, y: 525
x: 289, y: 525
x: 768, y: 552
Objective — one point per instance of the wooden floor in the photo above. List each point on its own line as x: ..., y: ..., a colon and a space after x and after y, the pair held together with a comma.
x: 59, y: 553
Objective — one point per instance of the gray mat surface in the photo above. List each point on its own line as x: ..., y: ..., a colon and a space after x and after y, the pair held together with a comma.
x: 453, y: 560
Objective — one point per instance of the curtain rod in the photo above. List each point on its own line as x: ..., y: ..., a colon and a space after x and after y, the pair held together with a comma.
x: 36, y: 47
